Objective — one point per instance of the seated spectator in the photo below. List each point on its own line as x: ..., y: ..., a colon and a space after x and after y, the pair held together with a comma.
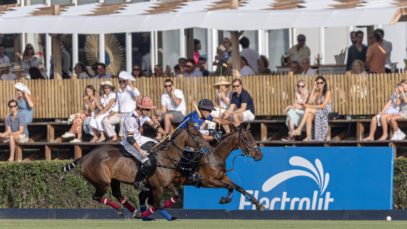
x: 241, y: 107
x: 16, y: 129
x: 105, y: 106
x: 376, y: 55
x: 306, y: 68
x: 191, y: 69
x: 202, y: 66
x: 390, y: 108
x: 168, y: 71
x: 35, y: 73
x: 295, y: 68
x: 317, y: 110
x: 101, y: 71
x: 249, y: 54
x: 173, y: 107
x: 358, y: 67
x: 402, y: 115
x: 82, y: 119
x: 178, y: 70
x: 5, y: 72
x: 299, y: 51
x: 223, y: 97
x: 18, y: 72
x: 25, y: 102
x: 137, y: 73
x: 245, y: 69
x: 296, y: 111
x: 263, y: 65
x: 126, y: 102
x: 81, y: 71
x: 158, y: 71
x: 182, y: 61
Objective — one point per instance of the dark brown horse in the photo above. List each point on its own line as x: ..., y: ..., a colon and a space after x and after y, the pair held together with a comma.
x: 106, y: 166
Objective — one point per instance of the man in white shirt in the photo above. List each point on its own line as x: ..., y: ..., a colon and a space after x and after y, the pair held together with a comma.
x: 250, y: 54
x: 306, y: 68
x: 173, y: 106
x: 125, y: 104
x: 3, y: 58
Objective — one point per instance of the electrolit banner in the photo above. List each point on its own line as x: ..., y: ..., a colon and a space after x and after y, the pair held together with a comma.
x: 306, y: 178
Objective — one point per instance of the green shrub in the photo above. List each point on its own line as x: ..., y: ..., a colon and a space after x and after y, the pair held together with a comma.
x: 400, y: 184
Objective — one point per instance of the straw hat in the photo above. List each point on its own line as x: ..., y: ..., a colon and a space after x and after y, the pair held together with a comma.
x: 107, y: 83
x: 17, y: 68
x: 22, y: 87
x: 4, y: 66
x: 222, y: 81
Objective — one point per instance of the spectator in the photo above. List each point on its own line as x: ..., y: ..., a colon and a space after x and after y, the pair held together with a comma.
x: 358, y: 67
x: 356, y: 51
x: 35, y: 73
x: 245, y: 69
x: 126, y: 102
x: 158, y: 71
x: 3, y: 57
x: 101, y: 71
x: 25, y: 102
x: 168, y: 71
x: 296, y: 111
x: 389, y: 109
x: 105, y: 106
x: 250, y: 54
x: 223, y: 97
x: 81, y: 71
x: 16, y: 129
x: 173, y: 107
x: 182, y: 61
x: 306, y: 68
x: 353, y: 38
x: 376, y: 55
x: 197, y: 47
x: 221, y: 64
x: 137, y: 73
x: 227, y: 44
x: 295, y: 68
x: 317, y: 110
x: 388, y: 47
x: 202, y: 66
x: 82, y: 119
x: 65, y: 63
x: 263, y: 65
x: 178, y: 70
x: 241, y: 108
x: 5, y: 72
x: 402, y: 100
x: 18, y: 72
x: 28, y: 59
x: 191, y: 69
x: 300, y: 51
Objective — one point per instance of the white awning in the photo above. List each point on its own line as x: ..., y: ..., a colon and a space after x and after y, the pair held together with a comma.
x: 151, y: 16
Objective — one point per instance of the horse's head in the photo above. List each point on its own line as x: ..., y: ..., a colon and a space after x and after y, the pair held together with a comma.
x: 247, y: 143
x: 190, y: 136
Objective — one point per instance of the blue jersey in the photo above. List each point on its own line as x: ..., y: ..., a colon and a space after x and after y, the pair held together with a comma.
x: 197, y: 122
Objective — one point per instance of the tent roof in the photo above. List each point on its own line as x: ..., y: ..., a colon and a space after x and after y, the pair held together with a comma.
x: 216, y: 14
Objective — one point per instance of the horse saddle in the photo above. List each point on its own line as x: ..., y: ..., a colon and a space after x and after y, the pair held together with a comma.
x: 148, y: 167
x: 189, y: 162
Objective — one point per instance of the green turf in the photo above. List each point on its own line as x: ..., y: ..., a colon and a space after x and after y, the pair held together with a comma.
x: 192, y: 224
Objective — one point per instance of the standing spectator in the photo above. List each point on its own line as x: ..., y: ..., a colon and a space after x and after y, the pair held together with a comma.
x: 197, y: 47
x: 126, y: 101
x: 227, y: 44
x: 358, y: 67
x: 137, y: 73
x: 356, y: 51
x: 16, y: 128
x: 222, y: 67
x: 352, y: 36
x: 158, y: 71
x: 82, y: 118
x: 295, y: 68
x: 300, y: 51
x: 178, y: 70
x: 376, y: 55
x: 296, y: 111
x: 5, y: 72
x: 250, y: 54
x: 202, y: 66
x: 101, y: 71
x: 105, y: 106
x: 173, y: 107
x: 245, y: 69
x: 387, y: 45
x: 81, y: 71
x: 65, y: 63
x: 263, y: 65
x: 29, y: 59
x: 241, y: 107
x: 306, y: 68
x: 191, y: 69
x: 25, y: 102
x: 3, y: 57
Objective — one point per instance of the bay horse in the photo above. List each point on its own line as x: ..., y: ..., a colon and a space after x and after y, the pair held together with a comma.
x: 107, y: 166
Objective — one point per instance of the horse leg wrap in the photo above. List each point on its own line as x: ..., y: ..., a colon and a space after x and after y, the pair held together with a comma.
x: 112, y: 204
x: 165, y: 214
x: 170, y: 202
x: 147, y: 212
x: 128, y: 205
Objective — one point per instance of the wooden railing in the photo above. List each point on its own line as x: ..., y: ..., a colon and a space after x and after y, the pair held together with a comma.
x: 352, y: 94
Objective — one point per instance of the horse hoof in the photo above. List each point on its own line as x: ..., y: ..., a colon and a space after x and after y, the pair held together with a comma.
x: 261, y: 208
x: 120, y: 212
x: 224, y: 200
x: 137, y: 215
x: 148, y: 219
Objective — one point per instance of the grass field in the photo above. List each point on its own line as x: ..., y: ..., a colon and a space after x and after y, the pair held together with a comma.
x: 196, y: 224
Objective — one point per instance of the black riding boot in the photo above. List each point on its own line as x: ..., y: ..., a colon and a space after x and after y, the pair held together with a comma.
x: 140, y: 182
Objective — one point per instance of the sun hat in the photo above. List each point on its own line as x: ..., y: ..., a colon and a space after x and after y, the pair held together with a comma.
x: 4, y: 66
x: 17, y: 68
x: 107, y: 83
x: 22, y: 87
x: 222, y: 81
x: 126, y: 76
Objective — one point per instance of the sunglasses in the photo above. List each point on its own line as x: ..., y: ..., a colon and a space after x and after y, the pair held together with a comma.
x: 167, y: 86
x: 136, y: 69
x: 320, y: 83
x: 302, y: 86
x: 11, y: 106
x: 235, y: 86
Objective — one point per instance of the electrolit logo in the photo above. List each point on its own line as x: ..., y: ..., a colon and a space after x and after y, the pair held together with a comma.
x: 317, y: 199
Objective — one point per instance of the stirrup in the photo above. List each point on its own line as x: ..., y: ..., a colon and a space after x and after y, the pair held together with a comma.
x: 141, y: 186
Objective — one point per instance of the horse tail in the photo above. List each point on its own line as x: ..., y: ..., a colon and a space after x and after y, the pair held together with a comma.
x: 71, y: 166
